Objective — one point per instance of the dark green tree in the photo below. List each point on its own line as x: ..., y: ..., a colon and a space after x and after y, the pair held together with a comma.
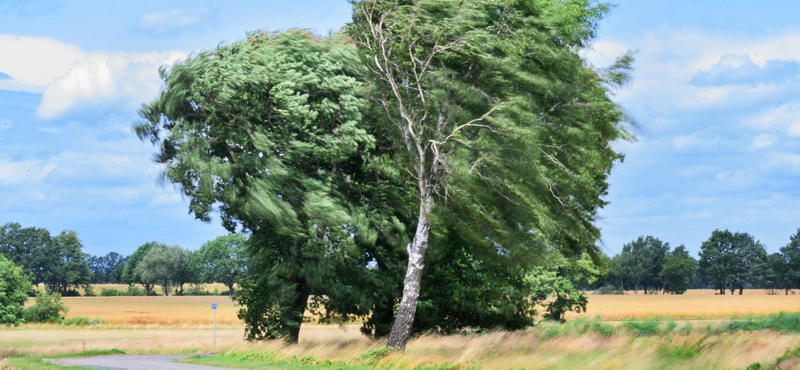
x: 641, y: 261
x: 221, y: 260
x: 780, y: 277
x: 732, y: 260
x: 29, y: 248
x: 677, y: 271
x: 107, y: 269
x: 495, y: 116
x: 131, y: 273
x: 791, y: 252
x: 752, y: 265
x: 267, y: 130
x: 69, y: 268
x: 14, y: 288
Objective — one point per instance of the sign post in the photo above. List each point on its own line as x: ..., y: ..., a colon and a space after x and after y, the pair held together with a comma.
x: 214, y: 307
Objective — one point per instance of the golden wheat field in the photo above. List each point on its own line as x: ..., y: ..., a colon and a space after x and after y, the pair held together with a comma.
x: 694, y: 304
x: 196, y: 310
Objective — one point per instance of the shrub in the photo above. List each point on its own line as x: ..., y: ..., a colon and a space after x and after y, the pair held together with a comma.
x: 111, y: 292
x: 14, y: 288
x: 48, y: 308
x: 133, y: 290
x: 608, y: 289
x: 195, y: 290
x: 89, y: 291
x: 643, y: 328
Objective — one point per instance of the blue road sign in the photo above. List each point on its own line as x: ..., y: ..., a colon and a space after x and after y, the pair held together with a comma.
x: 214, y: 306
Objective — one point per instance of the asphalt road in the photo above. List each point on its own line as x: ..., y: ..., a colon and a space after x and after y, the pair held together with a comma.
x: 134, y: 362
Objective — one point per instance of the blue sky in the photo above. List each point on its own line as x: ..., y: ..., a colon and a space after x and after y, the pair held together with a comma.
x: 715, y: 91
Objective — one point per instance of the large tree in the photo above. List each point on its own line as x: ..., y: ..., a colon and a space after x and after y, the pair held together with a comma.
x: 107, y: 269
x: 166, y: 265
x: 131, y: 274
x: 731, y: 260
x: 496, y: 117
x: 677, y: 271
x: 641, y: 261
x: 69, y: 268
x: 221, y: 260
x: 29, y: 248
x: 791, y: 253
x: 267, y: 130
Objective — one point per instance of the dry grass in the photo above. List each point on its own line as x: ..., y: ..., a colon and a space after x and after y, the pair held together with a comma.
x: 183, y: 324
x: 695, y: 304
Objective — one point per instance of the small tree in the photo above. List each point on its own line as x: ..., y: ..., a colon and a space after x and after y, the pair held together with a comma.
x: 48, y: 308
x: 556, y: 284
x: 14, y: 288
x: 69, y: 268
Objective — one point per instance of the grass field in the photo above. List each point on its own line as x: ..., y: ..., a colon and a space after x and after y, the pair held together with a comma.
x: 184, y: 325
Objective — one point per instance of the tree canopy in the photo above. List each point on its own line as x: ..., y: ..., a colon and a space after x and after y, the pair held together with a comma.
x: 267, y: 130
x: 496, y: 116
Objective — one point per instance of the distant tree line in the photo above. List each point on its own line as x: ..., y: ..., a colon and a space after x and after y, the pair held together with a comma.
x: 727, y: 262
x: 60, y: 264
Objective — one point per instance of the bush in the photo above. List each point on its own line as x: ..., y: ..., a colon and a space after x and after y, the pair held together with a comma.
x: 643, y: 328
x: 82, y: 321
x: 48, y: 308
x: 111, y: 292
x: 195, y: 290
x: 134, y: 290
x: 14, y: 288
x: 608, y: 289
x: 89, y: 291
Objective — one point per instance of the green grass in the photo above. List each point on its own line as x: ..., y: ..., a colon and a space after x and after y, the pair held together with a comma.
x: 254, y: 359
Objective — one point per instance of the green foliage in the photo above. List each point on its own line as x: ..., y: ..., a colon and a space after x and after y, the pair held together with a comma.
x: 461, y: 290
x: 790, y: 271
x: 48, y: 308
x: 495, y: 118
x: 29, y: 248
x: 644, y: 328
x: 14, y: 288
x: 221, y: 260
x: 731, y: 260
x: 579, y: 326
x: 554, y: 284
x: 69, y: 268
x: 677, y: 271
x: 783, y: 322
x: 107, y: 269
x: 166, y: 265
x: 131, y: 275
x: 269, y: 129
x: 608, y: 289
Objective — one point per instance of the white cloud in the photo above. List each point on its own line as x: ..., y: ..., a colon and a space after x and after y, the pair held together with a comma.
x: 17, y: 172
x: 763, y: 141
x: 171, y: 19
x: 103, y: 78
x: 785, y: 118
x: 34, y: 62
x: 71, y: 78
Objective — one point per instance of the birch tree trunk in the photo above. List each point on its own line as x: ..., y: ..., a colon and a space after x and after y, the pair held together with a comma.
x: 404, y: 321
